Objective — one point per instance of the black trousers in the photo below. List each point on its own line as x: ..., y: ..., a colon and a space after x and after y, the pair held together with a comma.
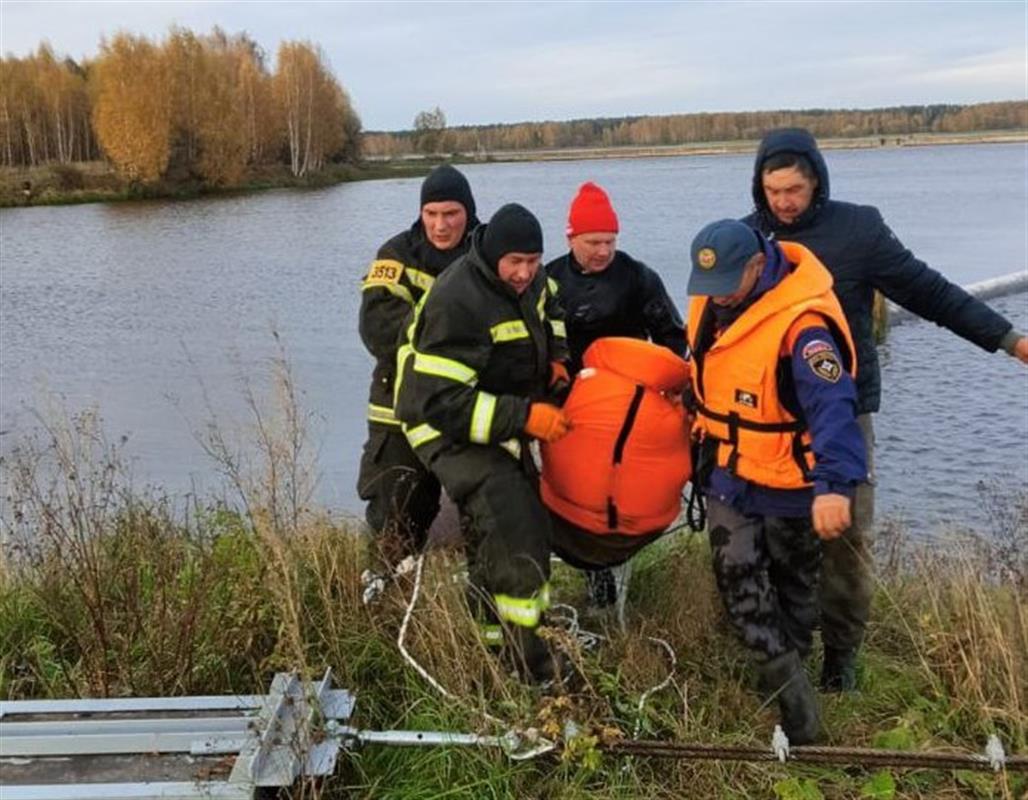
x: 402, y: 495
x: 507, y: 526
x: 847, y: 576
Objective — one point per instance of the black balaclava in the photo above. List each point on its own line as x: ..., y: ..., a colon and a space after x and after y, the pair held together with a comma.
x: 512, y: 229
x: 448, y: 183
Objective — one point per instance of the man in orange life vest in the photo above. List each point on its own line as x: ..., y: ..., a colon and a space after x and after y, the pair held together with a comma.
x: 773, y: 366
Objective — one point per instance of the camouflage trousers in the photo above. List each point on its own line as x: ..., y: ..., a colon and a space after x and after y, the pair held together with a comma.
x: 402, y: 495
x: 847, y: 578
x: 767, y: 573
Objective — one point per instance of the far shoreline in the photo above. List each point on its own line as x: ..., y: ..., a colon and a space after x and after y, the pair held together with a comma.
x: 96, y: 182
x: 744, y: 146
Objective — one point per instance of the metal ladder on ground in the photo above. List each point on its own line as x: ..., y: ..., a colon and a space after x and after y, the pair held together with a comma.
x: 173, y: 748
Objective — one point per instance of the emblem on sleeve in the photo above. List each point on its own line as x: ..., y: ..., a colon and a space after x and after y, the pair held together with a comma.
x: 826, y: 366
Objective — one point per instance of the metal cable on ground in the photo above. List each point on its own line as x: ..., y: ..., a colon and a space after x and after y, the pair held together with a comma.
x: 812, y: 754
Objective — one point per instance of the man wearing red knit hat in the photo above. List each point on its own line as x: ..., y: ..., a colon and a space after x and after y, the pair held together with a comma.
x: 606, y: 292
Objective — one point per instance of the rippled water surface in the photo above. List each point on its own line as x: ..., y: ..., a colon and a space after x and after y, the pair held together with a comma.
x: 154, y: 312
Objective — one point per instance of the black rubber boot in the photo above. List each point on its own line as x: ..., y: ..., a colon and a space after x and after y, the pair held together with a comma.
x: 602, y: 586
x: 839, y: 671
x: 531, y: 655
x: 785, y: 677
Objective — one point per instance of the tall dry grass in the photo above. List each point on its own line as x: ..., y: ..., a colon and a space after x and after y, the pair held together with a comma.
x: 109, y: 590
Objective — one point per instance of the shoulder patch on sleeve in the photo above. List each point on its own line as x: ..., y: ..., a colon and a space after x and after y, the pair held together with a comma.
x: 384, y: 271
x: 813, y: 347
x: 824, y: 364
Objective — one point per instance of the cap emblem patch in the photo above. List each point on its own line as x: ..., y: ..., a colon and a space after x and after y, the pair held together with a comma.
x: 706, y: 258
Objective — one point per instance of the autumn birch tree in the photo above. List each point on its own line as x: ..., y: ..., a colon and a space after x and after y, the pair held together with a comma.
x: 315, y: 110
x: 132, y: 116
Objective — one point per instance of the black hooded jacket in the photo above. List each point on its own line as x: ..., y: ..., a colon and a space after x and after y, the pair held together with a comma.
x: 863, y: 254
x: 403, y: 270
x: 479, y: 353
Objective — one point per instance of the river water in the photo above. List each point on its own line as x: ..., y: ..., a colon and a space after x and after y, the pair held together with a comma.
x: 154, y: 313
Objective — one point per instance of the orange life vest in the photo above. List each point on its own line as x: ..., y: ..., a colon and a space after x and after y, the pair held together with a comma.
x: 622, y: 467
x: 735, y: 378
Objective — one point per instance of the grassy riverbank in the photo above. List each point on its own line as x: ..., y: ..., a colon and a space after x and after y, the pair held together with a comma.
x: 107, y: 590
x: 96, y: 181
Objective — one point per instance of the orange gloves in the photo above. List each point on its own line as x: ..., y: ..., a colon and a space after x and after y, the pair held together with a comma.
x: 546, y: 422
x: 559, y: 376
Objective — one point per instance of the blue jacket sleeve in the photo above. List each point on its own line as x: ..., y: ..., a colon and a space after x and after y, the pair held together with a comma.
x: 828, y: 397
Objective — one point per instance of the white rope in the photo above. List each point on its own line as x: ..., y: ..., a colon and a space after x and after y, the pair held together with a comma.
x: 587, y: 640
x: 512, y: 738
x: 653, y: 689
x: 418, y: 569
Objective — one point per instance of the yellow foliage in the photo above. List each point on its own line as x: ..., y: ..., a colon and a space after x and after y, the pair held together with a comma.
x: 132, y: 114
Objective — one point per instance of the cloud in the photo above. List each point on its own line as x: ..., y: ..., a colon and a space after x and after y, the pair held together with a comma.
x: 511, y: 61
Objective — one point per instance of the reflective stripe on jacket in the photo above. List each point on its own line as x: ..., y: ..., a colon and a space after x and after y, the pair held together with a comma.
x: 404, y: 269
x: 736, y: 376
x: 477, y: 354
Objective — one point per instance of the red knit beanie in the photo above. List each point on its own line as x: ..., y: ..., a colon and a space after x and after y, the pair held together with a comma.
x: 591, y: 212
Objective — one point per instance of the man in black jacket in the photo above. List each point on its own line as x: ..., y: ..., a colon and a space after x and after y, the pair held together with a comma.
x: 790, y: 191
x: 606, y: 292
x: 472, y: 387
x: 402, y: 496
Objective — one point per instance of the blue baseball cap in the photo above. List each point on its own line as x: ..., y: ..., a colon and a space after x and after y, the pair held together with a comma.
x: 720, y: 253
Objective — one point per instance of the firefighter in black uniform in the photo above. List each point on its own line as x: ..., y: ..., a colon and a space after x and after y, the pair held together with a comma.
x: 471, y: 390
x: 606, y: 292
x: 402, y: 496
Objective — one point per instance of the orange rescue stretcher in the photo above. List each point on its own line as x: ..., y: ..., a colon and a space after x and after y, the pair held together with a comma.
x: 622, y: 467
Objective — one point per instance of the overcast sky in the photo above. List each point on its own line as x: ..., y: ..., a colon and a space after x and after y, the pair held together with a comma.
x: 514, y: 61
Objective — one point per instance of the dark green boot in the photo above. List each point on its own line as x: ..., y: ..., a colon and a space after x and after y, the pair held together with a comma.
x: 839, y: 671
x: 532, y: 657
x: 785, y: 677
